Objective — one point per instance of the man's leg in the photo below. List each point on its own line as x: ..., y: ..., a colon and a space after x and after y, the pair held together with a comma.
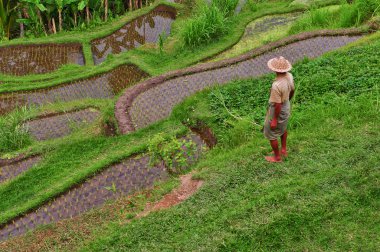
x: 276, y: 151
x: 283, y: 144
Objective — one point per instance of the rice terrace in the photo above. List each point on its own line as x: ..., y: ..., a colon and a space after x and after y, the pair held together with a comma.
x: 189, y: 125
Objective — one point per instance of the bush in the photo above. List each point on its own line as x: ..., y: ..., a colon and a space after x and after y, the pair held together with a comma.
x: 174, y: 153
x: 227, y: 7
x: 13, y: 135
x: 315, y: 18
x: 210, y: 23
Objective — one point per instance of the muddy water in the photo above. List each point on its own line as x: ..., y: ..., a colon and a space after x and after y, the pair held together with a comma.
x: 60, y: 125
x: 37, y: 59
x: 9, y: 171
x: 144, y: 29
x: 105, y: 85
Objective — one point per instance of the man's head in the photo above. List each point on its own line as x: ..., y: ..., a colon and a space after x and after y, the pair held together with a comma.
x: 279, y: 65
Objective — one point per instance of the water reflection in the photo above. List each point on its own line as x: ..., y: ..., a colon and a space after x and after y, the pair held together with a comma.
x: 105, y: 85
x: 145, y: 29
x: 37, y: 59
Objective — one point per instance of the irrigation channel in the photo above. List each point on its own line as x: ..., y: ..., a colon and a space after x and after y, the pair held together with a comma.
x: 60, y: 125
x: 118, y: 180
x: 14, y: 168
x: 154, y: 99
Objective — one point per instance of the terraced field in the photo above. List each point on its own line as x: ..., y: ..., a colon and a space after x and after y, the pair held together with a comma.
x: 139, y: 101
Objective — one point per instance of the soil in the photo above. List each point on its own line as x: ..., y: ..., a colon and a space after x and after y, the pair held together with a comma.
x: 187, y: 188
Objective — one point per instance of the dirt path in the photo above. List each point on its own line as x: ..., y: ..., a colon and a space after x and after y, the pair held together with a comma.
x: 187, y: 188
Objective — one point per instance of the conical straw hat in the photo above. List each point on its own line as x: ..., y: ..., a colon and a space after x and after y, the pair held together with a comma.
x: 279, y: 65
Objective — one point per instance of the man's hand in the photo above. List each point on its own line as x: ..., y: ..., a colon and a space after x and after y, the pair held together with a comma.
x: 277, y: 111
x: 273, y: 123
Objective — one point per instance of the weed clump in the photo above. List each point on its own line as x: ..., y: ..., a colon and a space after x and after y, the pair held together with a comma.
x: 348, y: 15
x: 13, y: 134
x: 210, y: 23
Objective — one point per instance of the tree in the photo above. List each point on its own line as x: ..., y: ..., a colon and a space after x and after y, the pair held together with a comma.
x: 85, y: 4
x: 32, y: 10
x: 61, y: 4
x: 7, y: 17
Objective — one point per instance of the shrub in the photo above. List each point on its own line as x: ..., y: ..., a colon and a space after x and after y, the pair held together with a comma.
x: 227, y: 7
x: 14, y: 135
x: 174, y: 153
x: 209, y: 24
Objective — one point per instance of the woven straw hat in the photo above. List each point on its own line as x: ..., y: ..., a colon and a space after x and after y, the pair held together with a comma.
x: 279, y: 65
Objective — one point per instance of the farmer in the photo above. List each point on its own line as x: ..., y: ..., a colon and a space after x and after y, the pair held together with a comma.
x: 278, y: 113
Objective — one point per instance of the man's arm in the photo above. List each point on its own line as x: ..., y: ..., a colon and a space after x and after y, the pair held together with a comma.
x: 277, y: 111
x: 291, y: 94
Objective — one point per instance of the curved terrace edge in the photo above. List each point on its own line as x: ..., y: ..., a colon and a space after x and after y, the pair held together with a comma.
x: 125, y: 102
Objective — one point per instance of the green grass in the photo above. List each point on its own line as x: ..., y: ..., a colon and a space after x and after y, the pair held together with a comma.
x: 209, y: 24
x: 324, y: 197
x: 69, y: 162
x: 13, y: 135
x: 348, y: 15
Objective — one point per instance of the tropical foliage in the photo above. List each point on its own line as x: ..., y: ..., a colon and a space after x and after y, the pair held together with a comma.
x: 36, y: 17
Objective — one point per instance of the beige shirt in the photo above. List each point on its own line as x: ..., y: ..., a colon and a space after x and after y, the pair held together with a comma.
x: 281, y: 89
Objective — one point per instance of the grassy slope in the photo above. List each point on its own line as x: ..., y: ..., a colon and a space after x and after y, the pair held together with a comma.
x: 70, y: 162
x: 324, y: 197
x: 22, y: 194
x: 17, y: 201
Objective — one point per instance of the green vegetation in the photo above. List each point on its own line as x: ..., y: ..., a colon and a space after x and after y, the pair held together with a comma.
x: 14, y: 135
x: 323, y: 197
x: 348, y: 15
x: 308, y: 202
x: 173, y: 153
x: 149, y: 59
x: 42, y: 17
x: 70, y: 162
x: 210, y: 23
